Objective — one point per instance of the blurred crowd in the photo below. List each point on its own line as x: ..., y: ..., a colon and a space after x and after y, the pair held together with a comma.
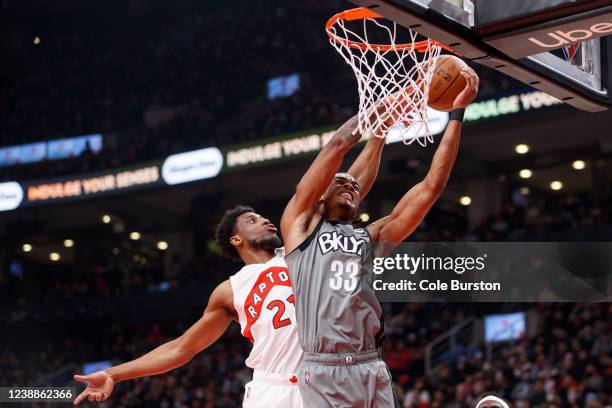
x: 57, y: 321
x: 528, y: 218
x: 198, y: 79
x: 214, y: 378
x: 570, y: 218
x: 566, y: 363
x: 116, y: 277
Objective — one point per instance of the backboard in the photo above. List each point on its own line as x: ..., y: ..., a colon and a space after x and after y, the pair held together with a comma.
x: 557, y: 46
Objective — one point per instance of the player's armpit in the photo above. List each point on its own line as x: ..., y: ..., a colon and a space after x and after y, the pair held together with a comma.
x: 415, y: 204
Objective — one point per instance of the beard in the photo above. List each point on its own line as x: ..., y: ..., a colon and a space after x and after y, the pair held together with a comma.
x: 267, y: 244
x: 345, y: 206
x: 343, y: 209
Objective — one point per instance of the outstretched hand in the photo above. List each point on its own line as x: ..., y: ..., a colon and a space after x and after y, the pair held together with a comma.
x: 99, y: 388
x: 470, y: 91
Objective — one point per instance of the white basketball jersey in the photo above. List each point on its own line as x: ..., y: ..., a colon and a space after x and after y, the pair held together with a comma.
x: 264, y: 301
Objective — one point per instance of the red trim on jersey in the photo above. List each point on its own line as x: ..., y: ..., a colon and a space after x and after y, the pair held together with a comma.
x: 266, y: 280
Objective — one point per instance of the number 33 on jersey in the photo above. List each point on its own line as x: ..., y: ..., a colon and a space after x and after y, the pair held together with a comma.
x: 264, y: 301
x: 345, y: 275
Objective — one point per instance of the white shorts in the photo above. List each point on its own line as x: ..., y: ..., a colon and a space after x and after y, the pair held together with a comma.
x: 272, y: 390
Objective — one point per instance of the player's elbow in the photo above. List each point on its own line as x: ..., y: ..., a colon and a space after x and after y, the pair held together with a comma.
x: 181, y: 353
x: 433, y: 185
x: 301, y: 190
x: 303, y: 199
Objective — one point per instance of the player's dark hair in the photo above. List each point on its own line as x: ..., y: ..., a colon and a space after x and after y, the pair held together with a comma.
x: 227, y: 227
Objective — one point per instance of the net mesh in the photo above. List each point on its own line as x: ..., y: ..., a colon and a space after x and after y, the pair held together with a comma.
x: 392, y: 78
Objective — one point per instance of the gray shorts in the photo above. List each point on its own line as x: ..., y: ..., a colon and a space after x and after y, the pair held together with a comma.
x: 350, y: 380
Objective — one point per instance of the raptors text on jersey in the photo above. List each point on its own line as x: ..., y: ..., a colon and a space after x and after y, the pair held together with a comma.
x: 264, y: 301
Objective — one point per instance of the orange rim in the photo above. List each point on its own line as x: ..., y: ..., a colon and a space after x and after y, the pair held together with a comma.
x: 362, y: 13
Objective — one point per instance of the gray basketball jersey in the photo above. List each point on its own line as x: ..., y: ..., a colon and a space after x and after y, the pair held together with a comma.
x: 331, y: 274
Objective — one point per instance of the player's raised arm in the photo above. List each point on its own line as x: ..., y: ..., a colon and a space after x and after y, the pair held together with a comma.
x: 365, y: 167
x: 168, y: 356
x: 415, y: 204
x: 303, y: 204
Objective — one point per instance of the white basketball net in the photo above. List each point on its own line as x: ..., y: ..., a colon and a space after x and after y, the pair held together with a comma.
x: 392, y: 81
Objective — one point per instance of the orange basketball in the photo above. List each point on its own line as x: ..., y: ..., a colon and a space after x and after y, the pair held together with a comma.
x: 446, y: 83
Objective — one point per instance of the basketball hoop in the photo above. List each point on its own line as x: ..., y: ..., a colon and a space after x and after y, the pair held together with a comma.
x: 392, y: 78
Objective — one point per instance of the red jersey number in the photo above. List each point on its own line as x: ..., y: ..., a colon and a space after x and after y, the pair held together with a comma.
x: 280, y: 307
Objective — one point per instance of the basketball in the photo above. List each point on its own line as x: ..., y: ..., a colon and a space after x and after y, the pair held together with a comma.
x: 446, y: 82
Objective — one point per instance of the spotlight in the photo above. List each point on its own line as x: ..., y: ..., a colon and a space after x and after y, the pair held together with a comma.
x: 364, y: 217
x: 54, y: 256
x: 135, y: 236
x: 26, y: 248
x: 465, y: 200
x: 162, y: 245
x: 106, y: 219
x: 525, y: 173
x: 68, y: 243
x: 578, y: 165
x: 525, y: 190
x: 556, y: 185
x: 521, y: 148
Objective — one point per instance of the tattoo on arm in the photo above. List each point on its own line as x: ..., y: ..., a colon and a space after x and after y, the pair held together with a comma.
x: 349, y: 132
x: 353, y: 137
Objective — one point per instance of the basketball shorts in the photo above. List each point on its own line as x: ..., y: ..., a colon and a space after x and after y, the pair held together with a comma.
x: 268, y: 390
x: 351, y: 380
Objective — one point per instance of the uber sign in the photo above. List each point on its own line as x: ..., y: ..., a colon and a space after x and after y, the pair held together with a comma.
x: 560, y: 38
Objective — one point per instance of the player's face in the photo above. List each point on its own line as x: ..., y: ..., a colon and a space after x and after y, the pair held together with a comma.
x: 342, y: 197
x: 258, y: 231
